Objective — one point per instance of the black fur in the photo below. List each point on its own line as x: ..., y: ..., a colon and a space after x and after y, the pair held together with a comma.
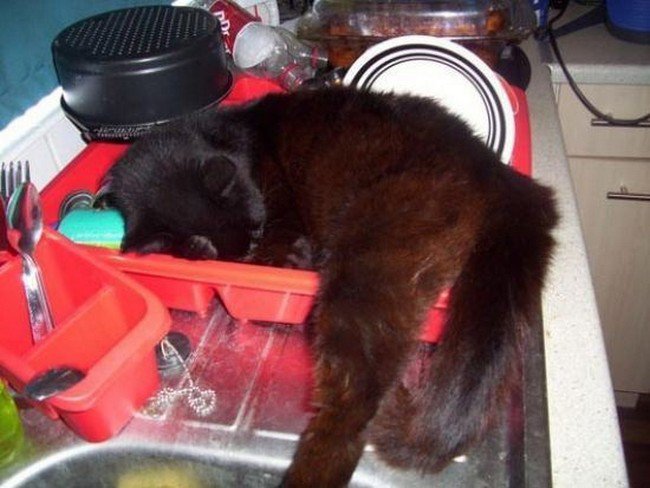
x: 391, y: 199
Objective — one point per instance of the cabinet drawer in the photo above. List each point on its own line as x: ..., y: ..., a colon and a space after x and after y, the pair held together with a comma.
x: 617, y: 235
x: 621, y: 101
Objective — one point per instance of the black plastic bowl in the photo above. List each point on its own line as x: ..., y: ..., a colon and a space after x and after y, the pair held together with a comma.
x: 124, y: 71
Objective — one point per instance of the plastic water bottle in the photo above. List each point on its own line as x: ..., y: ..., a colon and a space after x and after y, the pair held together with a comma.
x: 275, y: 53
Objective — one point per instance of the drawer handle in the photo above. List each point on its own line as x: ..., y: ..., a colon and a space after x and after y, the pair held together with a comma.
x: 596, y: 122
x: 624, y: 194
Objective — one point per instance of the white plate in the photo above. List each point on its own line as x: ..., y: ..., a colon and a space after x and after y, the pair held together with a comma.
x: 446, y: 71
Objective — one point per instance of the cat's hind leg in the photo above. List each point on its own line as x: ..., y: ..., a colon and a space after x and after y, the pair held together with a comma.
x: 363, y: 334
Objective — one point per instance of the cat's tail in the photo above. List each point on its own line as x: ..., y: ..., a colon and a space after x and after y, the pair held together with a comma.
x: 493, y: 301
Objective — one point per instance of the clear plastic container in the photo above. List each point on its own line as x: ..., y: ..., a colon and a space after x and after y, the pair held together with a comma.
x: 346, y: 28
x: 275, y: 53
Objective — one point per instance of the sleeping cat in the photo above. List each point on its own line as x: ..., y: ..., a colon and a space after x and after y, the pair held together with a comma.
x: 391, y: 199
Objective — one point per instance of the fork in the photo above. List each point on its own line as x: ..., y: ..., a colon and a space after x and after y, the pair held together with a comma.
x: 11, y: 176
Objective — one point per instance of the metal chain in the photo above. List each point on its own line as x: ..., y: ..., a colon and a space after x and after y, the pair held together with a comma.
x: 202, y: 401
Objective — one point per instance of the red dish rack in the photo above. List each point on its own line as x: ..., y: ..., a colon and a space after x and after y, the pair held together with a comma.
x: 248, y: 292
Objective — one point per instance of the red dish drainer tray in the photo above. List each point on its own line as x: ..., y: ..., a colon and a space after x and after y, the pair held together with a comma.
x: 248, y: 292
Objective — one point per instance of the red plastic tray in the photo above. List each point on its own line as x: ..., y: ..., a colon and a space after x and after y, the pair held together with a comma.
x: 106, y: 325
x: 249, y: 292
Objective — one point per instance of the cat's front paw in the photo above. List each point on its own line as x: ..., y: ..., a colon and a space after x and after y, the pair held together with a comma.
x: 198, y: 247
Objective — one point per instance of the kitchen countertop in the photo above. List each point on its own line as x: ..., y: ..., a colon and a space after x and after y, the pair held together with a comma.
x: 596, y: 56
x: 585, y: 438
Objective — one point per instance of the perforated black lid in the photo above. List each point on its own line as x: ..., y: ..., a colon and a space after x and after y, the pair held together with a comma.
x: 134, y: 33
x: 124, y: 71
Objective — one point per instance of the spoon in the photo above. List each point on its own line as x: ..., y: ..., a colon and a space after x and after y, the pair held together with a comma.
x: 52, y: 381
x: 25, y: 222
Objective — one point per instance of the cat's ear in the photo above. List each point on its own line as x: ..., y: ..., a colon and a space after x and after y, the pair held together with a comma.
x: 219, y: 175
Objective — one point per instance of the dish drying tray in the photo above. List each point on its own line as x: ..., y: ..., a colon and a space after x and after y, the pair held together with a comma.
x: 247, y: 291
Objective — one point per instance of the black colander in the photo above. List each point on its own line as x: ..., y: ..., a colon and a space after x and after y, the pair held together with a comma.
x: 124, y: 71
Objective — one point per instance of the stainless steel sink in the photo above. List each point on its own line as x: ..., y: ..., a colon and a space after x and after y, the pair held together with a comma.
x: 143, y: 466
x: 261, y: 376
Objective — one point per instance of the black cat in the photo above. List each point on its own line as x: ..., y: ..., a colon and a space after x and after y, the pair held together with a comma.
x: 391, y: 199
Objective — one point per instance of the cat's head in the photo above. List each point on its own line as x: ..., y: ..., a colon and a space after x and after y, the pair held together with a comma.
x: 180, y: 195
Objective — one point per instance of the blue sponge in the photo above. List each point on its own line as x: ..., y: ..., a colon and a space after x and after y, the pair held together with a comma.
x: 95, y: 227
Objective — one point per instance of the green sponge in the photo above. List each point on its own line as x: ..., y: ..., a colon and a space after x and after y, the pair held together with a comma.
x: 95, y: 227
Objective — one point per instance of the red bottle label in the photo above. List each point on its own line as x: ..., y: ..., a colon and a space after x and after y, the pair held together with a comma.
x: 232, y: 18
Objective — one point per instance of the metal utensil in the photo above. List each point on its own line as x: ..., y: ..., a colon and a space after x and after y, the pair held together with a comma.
x: 25, y: 221
x: 11, y: 176
x: 52, y: 381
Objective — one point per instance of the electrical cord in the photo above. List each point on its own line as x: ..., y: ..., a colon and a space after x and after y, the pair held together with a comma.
x: 585, y: 101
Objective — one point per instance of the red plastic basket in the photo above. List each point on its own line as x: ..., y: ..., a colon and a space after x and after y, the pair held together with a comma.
x: 249, y: 292
x: 106, y: 325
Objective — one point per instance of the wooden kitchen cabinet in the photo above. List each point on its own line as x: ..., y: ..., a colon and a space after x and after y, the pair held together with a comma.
x: 583, y: 139
x: 617, y: 232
